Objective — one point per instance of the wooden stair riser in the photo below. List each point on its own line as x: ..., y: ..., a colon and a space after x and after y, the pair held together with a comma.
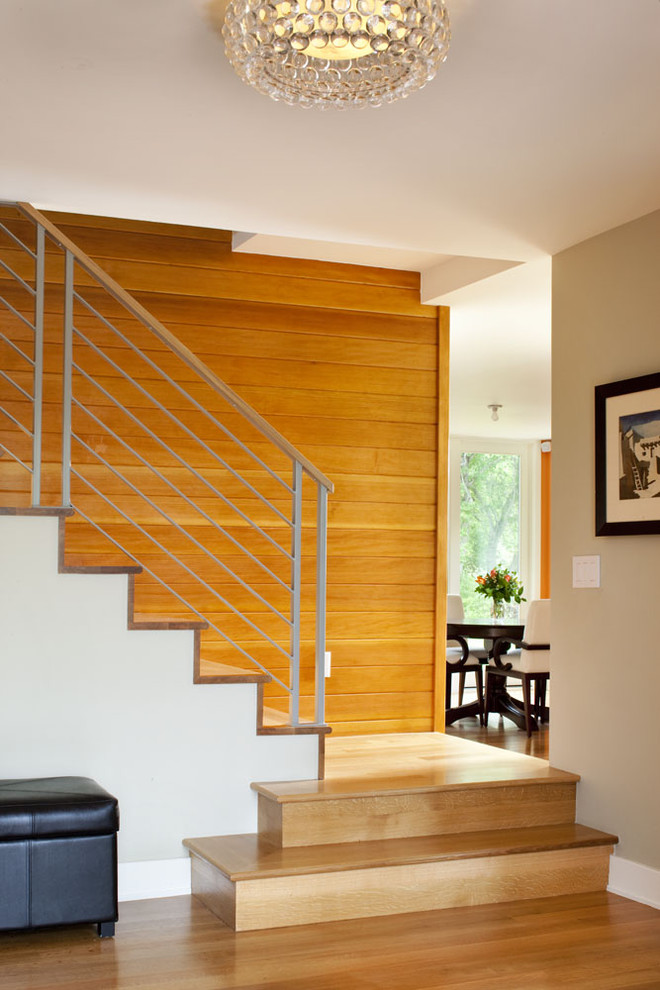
x: 440, y: 812
x: 277, y: 902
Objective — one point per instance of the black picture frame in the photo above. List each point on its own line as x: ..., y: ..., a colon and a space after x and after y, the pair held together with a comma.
x: 628, y: 456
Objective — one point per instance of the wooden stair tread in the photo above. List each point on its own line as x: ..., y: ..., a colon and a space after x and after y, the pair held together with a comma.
x: 249, y: 857
x: 100, y: 569
x: 211, y: 672
x: 425, y: 758
x: 147, y: 624
x: 453, y: 778
x: 10, y: 510
x: 274, y: 723
x: 272, y: 716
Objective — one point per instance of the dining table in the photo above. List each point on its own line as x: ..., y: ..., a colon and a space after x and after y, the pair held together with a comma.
x: 501, y: 701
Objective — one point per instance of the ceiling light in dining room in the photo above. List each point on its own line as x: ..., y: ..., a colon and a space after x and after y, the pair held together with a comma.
x: 335, y: 53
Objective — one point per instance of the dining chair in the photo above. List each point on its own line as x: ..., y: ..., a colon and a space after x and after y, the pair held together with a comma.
x: 529, y: 662
x: 460, y: 661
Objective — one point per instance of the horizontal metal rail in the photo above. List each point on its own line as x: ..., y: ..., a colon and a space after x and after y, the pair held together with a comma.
x: 19, y: 388
x: 138, y: 350
x: 18, y: 241
x: 239, y: 546
x: 17, y: 278
x: 170, y: 415
x: 18, y: 350
x: 188, y: 605
x: 173, y: 522
x: 16, y: 422
x: 15, y: 457
x: 172, y: 556
x: 154, y: 436
x: 20, y: 316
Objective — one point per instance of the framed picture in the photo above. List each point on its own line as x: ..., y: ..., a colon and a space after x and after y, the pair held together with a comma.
x: 628, y: 457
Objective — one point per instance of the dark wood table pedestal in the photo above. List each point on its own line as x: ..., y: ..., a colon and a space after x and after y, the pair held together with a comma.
x: 501, y: 701
x: 460, y: 711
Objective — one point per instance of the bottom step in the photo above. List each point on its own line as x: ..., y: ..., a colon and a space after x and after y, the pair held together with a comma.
x: 250, y: 884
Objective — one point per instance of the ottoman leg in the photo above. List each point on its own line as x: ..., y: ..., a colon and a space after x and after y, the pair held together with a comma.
x: 106, y: 929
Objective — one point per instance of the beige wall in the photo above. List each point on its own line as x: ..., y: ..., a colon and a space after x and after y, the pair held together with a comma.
x: 606, y: 643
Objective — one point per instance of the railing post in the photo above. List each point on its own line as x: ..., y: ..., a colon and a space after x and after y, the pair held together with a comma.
x: 321, y: 594
x: 37, y: 388
x: 296, y: 572
x: 67, y: 363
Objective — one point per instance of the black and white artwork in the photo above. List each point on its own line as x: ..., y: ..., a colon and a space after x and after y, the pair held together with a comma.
x: 639, y: 471
x: 628, y: 456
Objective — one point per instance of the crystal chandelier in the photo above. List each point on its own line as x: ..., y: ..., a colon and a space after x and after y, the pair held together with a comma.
x: 336, y: 53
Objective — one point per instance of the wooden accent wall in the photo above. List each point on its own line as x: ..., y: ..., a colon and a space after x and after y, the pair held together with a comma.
x: 344, y: 361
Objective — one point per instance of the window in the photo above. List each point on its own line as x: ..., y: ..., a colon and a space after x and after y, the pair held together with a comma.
x: 493, y: 519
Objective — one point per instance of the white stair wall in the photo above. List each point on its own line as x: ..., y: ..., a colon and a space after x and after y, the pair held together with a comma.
x: 82, y: 695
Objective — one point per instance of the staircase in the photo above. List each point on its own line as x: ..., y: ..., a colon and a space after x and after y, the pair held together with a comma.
x: 473, y: 826
x: 173, y: 477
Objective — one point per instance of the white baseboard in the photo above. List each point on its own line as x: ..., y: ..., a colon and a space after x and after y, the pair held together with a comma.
x: 155, y: 878
x: 171, y: 878
x: 639, y: 883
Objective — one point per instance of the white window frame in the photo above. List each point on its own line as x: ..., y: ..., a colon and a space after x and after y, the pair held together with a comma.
x: 529, y: 452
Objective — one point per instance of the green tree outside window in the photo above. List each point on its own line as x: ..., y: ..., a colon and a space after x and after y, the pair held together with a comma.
x: 490, y: 523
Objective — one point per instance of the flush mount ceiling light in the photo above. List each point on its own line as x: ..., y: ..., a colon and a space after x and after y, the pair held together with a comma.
x: 335, y: 53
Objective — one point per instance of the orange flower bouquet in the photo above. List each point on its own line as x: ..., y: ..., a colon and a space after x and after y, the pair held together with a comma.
x: 502, y: 586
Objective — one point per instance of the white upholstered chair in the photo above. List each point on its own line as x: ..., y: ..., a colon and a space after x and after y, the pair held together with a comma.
x: 529, y: 662
x: 461, y: 662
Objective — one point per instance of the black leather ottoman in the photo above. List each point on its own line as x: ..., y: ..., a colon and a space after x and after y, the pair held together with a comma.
x: 58, y: 853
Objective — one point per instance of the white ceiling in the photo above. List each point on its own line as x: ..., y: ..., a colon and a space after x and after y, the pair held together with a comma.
x: 540, y: 130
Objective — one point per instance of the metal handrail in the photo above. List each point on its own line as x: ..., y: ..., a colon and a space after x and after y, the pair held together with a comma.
x: 168, y: 338
x: 73, y: 372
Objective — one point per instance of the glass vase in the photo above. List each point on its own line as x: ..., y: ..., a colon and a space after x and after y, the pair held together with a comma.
x: 497, y: 610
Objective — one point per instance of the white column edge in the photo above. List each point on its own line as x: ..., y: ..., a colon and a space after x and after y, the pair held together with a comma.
x: 635, y: 881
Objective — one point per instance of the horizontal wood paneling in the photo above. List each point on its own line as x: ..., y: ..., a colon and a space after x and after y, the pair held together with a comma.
x: 343, y: 545
x: 283, y: 345
x: 343, y: 361
x: 240, y: 314
x: 222, y: 282
x: 205, y: 252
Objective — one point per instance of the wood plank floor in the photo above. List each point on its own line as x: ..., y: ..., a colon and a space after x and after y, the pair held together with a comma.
x: 499, y: 732
x: 587, y: 941
x: 389, y: 761
x: 503, y: 734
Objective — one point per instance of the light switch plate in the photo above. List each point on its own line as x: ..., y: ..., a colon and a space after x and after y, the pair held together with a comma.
x: 586, y: 572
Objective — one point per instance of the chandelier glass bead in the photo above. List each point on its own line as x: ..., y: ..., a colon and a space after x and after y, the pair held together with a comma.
x: 336, y: 53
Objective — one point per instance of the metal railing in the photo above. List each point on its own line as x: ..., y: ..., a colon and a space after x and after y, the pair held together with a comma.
x: 29, y: 295
x: 166, y: 463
